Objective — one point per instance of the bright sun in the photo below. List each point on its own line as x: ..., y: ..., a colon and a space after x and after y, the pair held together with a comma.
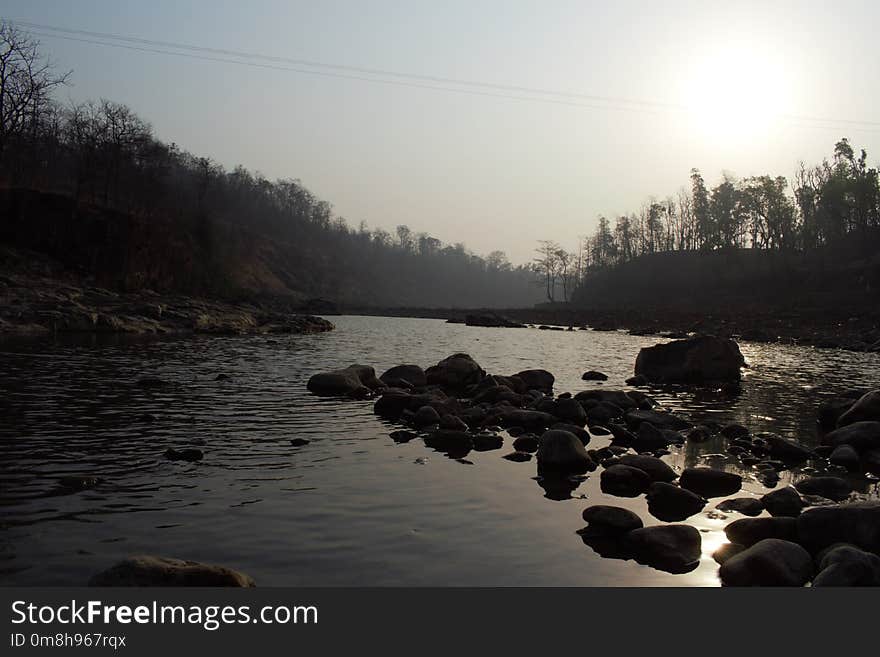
x: 735, y: 93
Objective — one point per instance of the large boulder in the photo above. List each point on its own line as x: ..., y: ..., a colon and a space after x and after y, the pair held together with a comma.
x: 148, y: 570
x: 673, y: 548
x: 694, y: 360
x: 832, y: 488
x: 571, y: 411
x: 562, y: 451
x: 404, y: 376
x: 770, y: 562
x: 536, y: 379
x: 847, y: 565
x: 857, y: 524
x: 748, y: 531
x: 785, y: 449
x: 353, y: 381
x: 862, y: 436
x: 455, y: 372
x: 867, y: 408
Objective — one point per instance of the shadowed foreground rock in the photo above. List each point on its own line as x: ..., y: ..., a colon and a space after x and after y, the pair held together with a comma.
x: 695, y: 360
x: 161, y: 571
x: 770, y: 562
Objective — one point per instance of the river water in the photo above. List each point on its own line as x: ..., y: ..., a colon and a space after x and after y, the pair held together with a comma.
x: 352, y: 507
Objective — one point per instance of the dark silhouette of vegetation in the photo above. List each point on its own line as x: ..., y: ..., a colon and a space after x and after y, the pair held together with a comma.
x: 826, y: 205
x: 171, y: 220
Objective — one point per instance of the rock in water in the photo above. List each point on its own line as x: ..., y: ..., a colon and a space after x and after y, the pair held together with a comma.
x: 845, y: 456
x: 670, y: 503
x: 353, y: 381
x: 862, y: 436
x: 161, y: 571
x: 186, y: 454
x: 593, y: 375
x: 656, y: 469
x: 833, y: 488
x: 562, y: 451
x: 867, y: 408
x: 455, y: 372
x: 748, y: 506
x: 694, y: 360
x: 610, y: 520
x: 536, y: 379
x: 857, y: 524
x: 748, y: 531
x: 770, y: 562
x: 709, y: 482
x: 672, y: 548
x: 783, y: 502
x: 624, y: 481
x: 846, y: 565
x: 404, y: 376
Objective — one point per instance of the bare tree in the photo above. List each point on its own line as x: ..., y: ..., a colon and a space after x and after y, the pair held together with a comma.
x: 26, y: 82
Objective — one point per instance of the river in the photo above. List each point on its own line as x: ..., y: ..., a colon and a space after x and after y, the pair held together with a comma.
x: 352, y: 507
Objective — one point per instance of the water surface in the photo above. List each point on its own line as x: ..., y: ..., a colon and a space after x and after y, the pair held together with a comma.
x: 352, y: 507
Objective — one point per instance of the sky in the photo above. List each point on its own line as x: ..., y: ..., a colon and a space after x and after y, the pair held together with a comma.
x: 643, y: 92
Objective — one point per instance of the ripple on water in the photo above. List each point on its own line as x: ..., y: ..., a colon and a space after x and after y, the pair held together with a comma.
x: 352, y: 506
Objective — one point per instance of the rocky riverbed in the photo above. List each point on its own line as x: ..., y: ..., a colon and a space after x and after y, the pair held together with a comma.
x: 819, y: 530
x: 36, y: 297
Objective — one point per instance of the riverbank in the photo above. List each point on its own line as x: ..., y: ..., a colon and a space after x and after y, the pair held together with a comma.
x: 38, y: 297
x: 850, y: 329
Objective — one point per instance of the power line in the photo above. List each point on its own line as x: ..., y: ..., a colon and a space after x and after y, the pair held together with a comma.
x: 354, y: 69
x: 380, y: 76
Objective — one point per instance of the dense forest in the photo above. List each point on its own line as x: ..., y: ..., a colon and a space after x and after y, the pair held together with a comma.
x: 830, y: 210
x: 91, y: 184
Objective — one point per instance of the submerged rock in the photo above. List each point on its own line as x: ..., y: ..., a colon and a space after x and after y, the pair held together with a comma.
x: 299, y: 442
x: 184, y: 454
x: 161, y: 571
x: 694, y: 360
x: 769, y: 562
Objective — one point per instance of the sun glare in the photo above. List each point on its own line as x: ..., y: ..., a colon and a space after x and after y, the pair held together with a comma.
x: 735, y: 93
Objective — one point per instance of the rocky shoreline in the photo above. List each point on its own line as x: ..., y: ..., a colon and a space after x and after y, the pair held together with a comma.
x: 36, y: 299
x: 819, y: 531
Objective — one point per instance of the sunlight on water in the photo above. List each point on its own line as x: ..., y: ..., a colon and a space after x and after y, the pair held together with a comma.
x: 351, y: 506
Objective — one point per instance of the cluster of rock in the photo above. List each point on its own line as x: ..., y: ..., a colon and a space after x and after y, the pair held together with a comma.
x: 455, y: 406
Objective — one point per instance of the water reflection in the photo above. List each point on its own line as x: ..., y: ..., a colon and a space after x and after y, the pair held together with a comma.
x: 329, y: 511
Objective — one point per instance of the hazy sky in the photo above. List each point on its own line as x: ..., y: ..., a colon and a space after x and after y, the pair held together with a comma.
x: 726, y: 86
